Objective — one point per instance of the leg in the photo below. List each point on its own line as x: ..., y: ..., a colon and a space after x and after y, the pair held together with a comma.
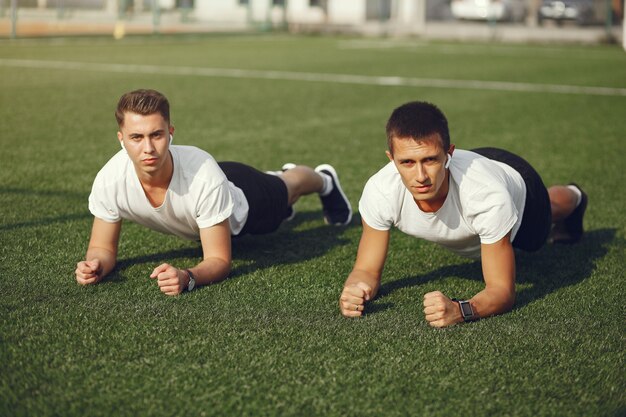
x: 562, y: 202
x: 266, y: 196
x: 568, y: 209
x: 300, y: 181
x: 559, y: 205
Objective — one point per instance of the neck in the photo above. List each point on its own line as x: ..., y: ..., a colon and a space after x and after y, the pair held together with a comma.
x: 430, y: 206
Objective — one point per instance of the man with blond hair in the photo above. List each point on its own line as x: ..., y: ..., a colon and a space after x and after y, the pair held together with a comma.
x: 183, y: 191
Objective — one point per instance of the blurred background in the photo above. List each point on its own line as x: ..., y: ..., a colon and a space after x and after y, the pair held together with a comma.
x: 586, y: 21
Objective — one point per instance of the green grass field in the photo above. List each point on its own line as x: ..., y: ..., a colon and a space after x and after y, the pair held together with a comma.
x: 270, y: 340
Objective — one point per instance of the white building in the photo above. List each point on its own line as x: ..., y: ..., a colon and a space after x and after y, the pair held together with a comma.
x: 407, y: 14
x: 297, y: 12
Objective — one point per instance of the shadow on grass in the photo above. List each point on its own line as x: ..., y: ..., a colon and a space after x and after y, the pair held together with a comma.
x: 559, y: 266
x: 44, y: 193
x: 551, y: 268
x: 69, y: 195
x: 46, y: 221
x: 285, y: 246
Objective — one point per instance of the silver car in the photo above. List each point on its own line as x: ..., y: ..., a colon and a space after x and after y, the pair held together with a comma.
x: 490, y: 10
x: 580, y: 11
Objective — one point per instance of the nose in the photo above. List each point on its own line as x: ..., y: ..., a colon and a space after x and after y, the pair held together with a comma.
x: 420, y: 174
x: 148, y: 147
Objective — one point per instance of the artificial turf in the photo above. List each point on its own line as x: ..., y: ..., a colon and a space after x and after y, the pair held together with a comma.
x: 270, y: 339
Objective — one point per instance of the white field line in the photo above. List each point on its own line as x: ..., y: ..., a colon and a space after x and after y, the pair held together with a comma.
x: 314, y: 77
x: 447, y: 49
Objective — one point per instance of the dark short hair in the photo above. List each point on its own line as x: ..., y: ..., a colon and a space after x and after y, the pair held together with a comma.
x: 144, y: 102
x: 417, y: 120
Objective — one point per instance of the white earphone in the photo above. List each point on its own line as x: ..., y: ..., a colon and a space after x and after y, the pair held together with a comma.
x: 448, y: 159
x: 171, y: 138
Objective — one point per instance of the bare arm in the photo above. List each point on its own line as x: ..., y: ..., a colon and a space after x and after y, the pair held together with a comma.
x: 498, y: 264
x: 217, y: 257
x: 364, y: 280
x: 215, y: 265
x: 101, y: 254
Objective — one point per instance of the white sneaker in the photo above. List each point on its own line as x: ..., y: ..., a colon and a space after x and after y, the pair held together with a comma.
x: 285, y: 167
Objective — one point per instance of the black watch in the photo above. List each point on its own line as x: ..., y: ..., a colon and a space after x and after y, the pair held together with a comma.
x: 192, y: 280
x: 466, y: 310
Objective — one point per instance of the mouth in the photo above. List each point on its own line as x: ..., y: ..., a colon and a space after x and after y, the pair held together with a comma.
x: 150, y: 161
x: 422, y: 188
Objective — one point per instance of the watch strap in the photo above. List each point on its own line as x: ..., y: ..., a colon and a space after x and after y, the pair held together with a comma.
x: 192, y: 280
x: 467, y: 312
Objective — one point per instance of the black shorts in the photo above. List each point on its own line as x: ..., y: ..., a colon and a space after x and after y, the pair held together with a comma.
x: 266, y: 194
x: 537, y: 217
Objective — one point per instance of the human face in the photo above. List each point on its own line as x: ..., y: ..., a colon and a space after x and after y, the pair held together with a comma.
x: 146, y: 140
x: 421, y: 165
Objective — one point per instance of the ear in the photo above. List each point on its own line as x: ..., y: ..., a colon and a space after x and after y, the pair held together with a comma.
x: 451, y: 149
x: 171, y: 131
x: 120, y: 137
x: 389, y: 155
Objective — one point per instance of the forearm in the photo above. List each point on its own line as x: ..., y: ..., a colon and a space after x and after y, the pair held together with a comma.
x: 493, y: 300
x: 106, y: 257
x: 498, y: 264
x: 210, y: 270
x: 359, y: 275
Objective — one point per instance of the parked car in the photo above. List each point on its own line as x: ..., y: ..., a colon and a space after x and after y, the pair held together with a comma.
x: 580, y: 11
x: 510, y: 10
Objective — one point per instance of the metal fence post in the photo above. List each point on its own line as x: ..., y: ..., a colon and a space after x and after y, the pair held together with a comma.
x: 608, y: 25
x: 13, y: 19
x: 156, y: 18
x: 60, y: 9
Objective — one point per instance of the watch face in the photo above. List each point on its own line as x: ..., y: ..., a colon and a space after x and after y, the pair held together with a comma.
x: 192, y: 281
x: 466, y: 308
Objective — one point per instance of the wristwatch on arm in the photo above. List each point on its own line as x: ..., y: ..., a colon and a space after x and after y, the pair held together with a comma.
x: 192, y: 280
x: 467, y: 312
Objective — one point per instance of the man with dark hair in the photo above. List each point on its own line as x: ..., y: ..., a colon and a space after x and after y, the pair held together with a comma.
x: 481, y: 203
x: 182, y: 190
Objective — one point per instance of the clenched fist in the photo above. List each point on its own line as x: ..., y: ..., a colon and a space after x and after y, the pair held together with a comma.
x: 172, y: 281
x: 88, y: 272
x: 440, y: 311
x: 353, y: 298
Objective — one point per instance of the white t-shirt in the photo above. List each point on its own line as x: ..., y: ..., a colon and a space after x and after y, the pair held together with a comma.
x: 199, y: 195
x: 485, y: 201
